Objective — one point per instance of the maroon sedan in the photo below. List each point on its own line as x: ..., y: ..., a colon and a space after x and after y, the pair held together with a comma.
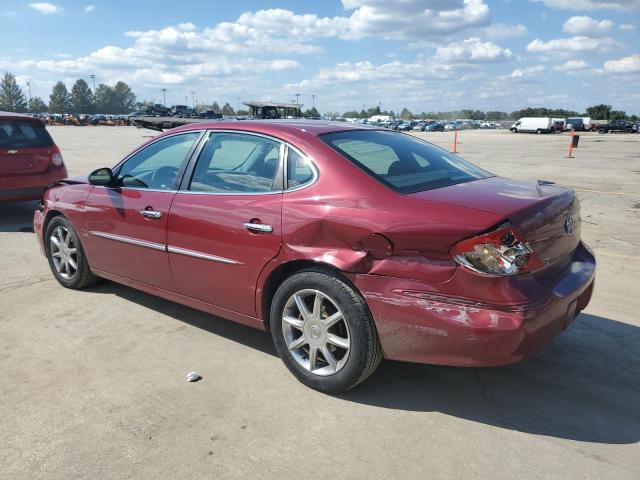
x: 349, y: 244
x: 29, y: 160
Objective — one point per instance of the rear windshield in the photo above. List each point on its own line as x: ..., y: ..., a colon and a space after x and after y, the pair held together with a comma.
x: 23, y: 134
x: 402, y: 162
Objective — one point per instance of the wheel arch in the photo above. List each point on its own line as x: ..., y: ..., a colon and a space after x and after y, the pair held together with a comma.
x: 51, y: 214
x: 286, y: 270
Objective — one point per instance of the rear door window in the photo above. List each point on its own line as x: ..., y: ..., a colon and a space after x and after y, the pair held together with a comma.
x: 16, y: 134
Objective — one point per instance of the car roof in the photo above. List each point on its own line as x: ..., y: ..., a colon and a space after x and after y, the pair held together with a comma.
x: 18, y: 116
x: 278, y: 128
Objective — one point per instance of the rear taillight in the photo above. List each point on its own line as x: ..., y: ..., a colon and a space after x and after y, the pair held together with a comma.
x: 500, y: 252
x: 56, y: 157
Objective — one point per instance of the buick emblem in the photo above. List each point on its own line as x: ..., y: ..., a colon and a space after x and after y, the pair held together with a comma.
x: 568, y: 225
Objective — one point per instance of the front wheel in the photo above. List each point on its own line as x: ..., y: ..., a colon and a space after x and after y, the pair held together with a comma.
x: 66, y: 256
x: 323, y: 332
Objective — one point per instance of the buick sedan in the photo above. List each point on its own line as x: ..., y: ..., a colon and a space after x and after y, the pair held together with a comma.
x: 349, y: 244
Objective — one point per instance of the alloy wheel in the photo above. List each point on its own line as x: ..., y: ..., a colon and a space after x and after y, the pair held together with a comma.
x: 316, y: 332
x: 64, y: 252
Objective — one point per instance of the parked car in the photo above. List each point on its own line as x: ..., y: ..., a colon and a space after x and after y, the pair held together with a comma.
x: 210, y: 114
x: 29, y: 159
x: 575, y: 124
x: 533, y: 125
x: 181, y: 111
x: 464, y: 268
x: 434, y: 127
x: 616, y: 126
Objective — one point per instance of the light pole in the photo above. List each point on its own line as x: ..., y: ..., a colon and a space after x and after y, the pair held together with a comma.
x: 297, y: 98
x: 164, y: 97
x: 313, y: 101
x: 237, y: 104
x: 193, y: 99
x: 29, y: 87
x: 93, y: 79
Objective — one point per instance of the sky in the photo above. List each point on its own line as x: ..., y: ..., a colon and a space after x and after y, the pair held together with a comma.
x: 426, y: 55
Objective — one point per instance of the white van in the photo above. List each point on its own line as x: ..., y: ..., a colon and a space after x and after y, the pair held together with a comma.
x: 532, y: 124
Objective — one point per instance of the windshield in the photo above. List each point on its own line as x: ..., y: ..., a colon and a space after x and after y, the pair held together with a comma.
x: 23, y: 134
x: 402, y: 162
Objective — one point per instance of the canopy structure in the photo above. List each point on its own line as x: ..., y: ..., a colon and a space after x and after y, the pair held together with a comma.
x: 274, y: 109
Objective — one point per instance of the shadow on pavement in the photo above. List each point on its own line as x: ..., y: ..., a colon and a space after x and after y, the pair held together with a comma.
x: 17, y: 217
x: 584, y: 387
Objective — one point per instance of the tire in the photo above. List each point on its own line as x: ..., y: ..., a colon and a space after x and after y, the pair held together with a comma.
x: 513, y: 130
x: 538, y: 131
x: 350, y: 366
x: 60, y: 232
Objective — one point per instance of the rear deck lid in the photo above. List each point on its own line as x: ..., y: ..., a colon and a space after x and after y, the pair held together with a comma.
x: 25, y: 147
x: 548, y: 216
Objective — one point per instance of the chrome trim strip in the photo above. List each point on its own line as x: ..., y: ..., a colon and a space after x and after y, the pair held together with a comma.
x: 130, y: 241
x: 203, y: 256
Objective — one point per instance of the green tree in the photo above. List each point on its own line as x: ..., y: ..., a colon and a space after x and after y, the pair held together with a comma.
x: 81, y: 97
x: 216, y: 108
x: 104, y: 99
x: 617, y: 115
x: 59, y: 100
x: 311, y: 113
x: 227, y: 110
x: 124, y: 98
x: 11, y: 97
x: 406, y: 114
x: 495, y: 115
x: 599, y: 112
x: 37, y: 105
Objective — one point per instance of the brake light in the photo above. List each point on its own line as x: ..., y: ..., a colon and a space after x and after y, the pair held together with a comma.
x: 501, y: 252
x: 56, y: 157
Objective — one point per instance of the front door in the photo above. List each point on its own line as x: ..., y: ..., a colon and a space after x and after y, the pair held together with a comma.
x: 126, y: 225
x: 226, y: 225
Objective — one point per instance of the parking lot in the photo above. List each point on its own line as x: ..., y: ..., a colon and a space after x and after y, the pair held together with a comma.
x: 92, y: 382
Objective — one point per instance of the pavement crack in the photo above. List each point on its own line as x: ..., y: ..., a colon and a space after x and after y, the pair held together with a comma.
x: 492, y: 404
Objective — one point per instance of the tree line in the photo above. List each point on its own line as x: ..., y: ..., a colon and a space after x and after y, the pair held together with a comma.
x: 113, y: 100
x: 596, y: 112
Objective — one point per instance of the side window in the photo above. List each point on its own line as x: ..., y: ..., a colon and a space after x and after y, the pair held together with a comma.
x: 299, y: 171
x: 236, y: 163
x: 157, y: 165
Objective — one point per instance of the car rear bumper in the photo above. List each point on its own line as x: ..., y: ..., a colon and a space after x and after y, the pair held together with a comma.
x: 17, y: 188
x: 416, y: 325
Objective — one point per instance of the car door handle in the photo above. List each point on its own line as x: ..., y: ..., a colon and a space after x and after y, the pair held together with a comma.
x: 258, y: 227
x: 150, y: 214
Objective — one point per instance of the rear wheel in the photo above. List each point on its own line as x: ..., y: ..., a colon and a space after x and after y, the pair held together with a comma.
x: 323, y: 331
x: 538, y: 131
x: 66, y: 256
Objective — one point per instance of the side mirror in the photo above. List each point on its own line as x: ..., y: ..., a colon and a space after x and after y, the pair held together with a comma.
x: 102, y: 177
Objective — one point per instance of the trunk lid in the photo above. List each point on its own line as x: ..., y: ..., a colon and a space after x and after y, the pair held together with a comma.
x: 548, y: 216
x: 25, y: 146
x: 21, y: 161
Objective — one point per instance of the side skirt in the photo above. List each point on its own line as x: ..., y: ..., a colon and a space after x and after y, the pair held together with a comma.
x: 184, y: 300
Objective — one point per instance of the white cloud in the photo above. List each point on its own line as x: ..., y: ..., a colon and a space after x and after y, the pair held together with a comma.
x: 627, y: 27
x: 571, y: 66
x: 46, y: 8
x: 630, y: 64
x: 587, y: 26
x: 592, y: 4
x: 499, y: 31
x: 525, y: 72
x: 472, y: 50
x: 89, y: 8
x: 410, y: 18
x: 567, y: 46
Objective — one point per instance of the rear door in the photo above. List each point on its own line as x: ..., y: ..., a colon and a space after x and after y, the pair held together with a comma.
x: 225, y: 225
x: 126, y: 225
x: 25, y: 147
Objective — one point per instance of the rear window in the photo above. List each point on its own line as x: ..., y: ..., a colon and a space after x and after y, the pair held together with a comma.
x: 403, y: 163
x: 23, y: 134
